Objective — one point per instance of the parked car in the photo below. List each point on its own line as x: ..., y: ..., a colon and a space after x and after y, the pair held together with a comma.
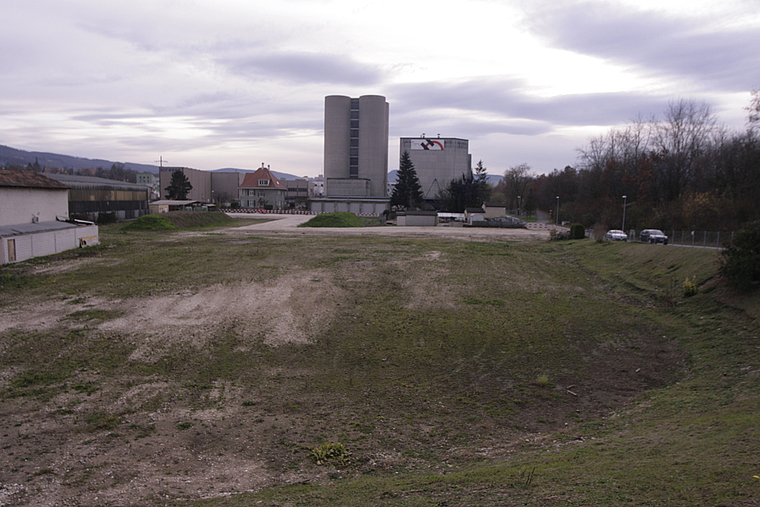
x: 653, y: 236
x: 616, y: 235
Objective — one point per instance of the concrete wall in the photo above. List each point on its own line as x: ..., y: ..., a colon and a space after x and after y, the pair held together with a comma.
x: 349, y: 187
x: 222, y: 183
x: 18, y: 205
x: 200, y: 180
x: 356, y: 206
x: 435, y: 168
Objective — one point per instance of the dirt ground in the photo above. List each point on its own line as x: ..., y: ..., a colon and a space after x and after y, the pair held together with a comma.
x: 162, y: 448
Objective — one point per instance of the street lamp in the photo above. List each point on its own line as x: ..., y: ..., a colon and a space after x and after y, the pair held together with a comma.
x: 557, y: 210
x: 624, y: 198
x: 519, y: 206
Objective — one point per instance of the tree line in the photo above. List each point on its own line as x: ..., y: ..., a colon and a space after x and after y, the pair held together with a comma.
x: 679, y: 171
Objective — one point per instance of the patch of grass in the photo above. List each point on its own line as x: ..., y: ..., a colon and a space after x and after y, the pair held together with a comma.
x: 150, y: 223
x: 101, y: 421
x: 339, y: 219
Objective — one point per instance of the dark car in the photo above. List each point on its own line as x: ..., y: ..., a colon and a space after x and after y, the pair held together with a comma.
x: 653, y: 236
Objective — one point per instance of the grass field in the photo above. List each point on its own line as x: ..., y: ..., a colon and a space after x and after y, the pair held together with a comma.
x: 167, y: 367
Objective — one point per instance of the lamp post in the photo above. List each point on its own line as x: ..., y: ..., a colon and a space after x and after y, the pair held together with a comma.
x: 557, y: 219
x: 519, y: 206
x: 624, y: 198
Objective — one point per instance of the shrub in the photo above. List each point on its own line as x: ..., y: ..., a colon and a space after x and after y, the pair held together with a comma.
x: 740, y: 261
x: 690, y: 287
x: 108, y: 217
x: 577, y: 231
x: 334, y: 454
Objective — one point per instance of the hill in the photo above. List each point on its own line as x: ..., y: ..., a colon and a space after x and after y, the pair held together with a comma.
x: 215, y: 367
x: 12, y: 156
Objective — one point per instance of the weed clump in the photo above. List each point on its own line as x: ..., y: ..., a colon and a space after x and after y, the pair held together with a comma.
x: 690, y: 287
x: 330, y: 453
x: 543, y: 381
x: 339, y: 219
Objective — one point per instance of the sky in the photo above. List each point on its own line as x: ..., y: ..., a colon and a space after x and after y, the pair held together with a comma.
x: 237, y: 83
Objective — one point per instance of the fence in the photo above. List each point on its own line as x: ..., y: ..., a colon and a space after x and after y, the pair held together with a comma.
x: 714, y: 239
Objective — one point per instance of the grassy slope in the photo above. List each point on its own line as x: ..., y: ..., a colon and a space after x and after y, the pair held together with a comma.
x: 690, y: 443
x: 451, y: 385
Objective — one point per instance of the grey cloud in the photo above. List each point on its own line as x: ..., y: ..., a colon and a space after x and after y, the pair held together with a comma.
x: 303, y: 68
x: 655, y: 43
x: 518, y: 110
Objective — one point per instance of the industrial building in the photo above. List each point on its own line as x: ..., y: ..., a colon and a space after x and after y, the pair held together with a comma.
x: 355, y: 155
x: 34, y: 219
x: 90, y: 197
x: 437, y: 161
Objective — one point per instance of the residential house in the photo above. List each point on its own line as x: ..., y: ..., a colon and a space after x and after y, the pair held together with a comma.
x: 262, y: 189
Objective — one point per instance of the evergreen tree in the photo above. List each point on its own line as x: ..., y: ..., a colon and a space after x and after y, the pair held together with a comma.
x: 461, y: 193
x: 481, y: 179
x: 407, y: 193
x: 179, y: 186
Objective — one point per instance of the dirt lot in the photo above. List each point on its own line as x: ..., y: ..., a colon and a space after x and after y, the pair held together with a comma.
x: 138, y: 436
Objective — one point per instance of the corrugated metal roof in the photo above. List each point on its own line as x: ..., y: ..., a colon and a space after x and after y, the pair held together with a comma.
x: 93, y: 181
x: 28, y: 179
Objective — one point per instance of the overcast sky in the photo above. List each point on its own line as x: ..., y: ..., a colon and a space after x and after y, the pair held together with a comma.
x: 234, y: 83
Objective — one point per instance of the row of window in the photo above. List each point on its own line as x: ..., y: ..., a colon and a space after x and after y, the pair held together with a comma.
x: 353, y: 161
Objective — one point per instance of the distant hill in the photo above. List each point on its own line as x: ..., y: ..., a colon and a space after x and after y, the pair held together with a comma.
x: 11, y: 156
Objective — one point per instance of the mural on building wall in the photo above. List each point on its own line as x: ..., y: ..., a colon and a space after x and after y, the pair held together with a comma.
x: 428, y: 144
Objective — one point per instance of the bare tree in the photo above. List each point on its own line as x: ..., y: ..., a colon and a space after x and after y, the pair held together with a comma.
x: 516, y: 180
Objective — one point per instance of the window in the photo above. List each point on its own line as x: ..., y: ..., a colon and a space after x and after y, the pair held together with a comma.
x: 263, y: 183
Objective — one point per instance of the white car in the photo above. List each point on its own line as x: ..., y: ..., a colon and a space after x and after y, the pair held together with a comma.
x: 616, y: 235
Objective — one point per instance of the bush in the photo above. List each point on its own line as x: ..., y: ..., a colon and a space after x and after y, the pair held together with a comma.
x: 334, y: 454
x: 740, y: 261
x: 690, y: 287
x: 108, y: 217
x: 577, y: 231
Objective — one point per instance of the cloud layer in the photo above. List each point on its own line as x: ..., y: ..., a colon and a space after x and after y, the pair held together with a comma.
x: 232, y: 83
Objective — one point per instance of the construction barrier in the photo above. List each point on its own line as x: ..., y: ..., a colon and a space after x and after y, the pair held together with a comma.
x: 542, y: 227
x: 287, y: 212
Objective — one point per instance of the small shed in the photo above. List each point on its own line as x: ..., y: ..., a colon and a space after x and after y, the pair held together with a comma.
x: 474, y: 215
x: 417, y: 218
x: 494, y: 209
x: 167, y: 205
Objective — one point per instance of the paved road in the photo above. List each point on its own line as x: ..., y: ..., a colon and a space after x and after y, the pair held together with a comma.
x: 288, y: 224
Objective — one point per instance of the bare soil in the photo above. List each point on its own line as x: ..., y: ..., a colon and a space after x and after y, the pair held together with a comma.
x: 164, y: 447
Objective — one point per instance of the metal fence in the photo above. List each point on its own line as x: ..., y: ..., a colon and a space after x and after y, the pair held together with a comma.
x: 700, y: 238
